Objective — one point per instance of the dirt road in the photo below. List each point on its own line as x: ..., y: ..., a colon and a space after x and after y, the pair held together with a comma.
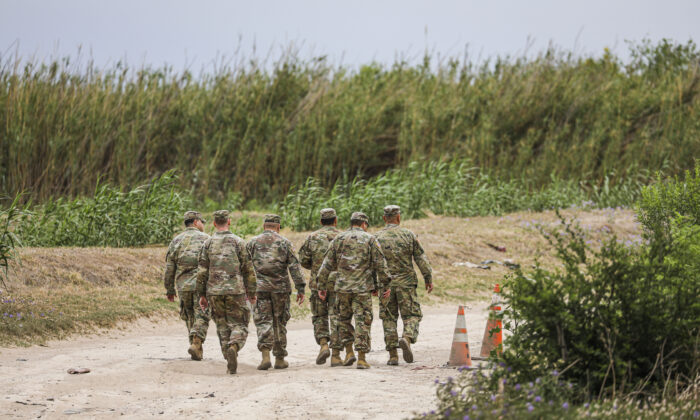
x: 145, y: 372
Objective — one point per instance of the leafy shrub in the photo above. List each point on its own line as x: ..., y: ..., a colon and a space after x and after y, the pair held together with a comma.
x: 8, y: 240
x: 455, y: 188
x: 662, y: 202
x: 148, y: 214
x: 619, y: 320
x: 495, y: 392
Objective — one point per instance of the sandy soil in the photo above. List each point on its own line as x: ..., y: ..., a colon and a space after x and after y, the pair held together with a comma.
x: 144, y: 371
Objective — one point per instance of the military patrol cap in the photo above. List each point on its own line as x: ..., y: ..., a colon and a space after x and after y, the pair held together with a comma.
x: 392, y: 210
x: 360, y: 217
x: 272, y: 218
x: 328, y: 213
x: 221, y: 216
x: 194, y: 215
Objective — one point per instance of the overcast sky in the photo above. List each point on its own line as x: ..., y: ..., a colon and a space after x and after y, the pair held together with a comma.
x: 194, y: 33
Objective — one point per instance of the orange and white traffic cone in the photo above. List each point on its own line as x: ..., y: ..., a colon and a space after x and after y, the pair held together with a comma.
x: 493, y: 335
x: 459, y: 355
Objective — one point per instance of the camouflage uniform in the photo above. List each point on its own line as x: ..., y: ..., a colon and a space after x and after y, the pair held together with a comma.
x: 225, y: 277
x: 401, y: 248
x: 361, y: 269
x: 273, y: 257
x: 323, y: 312
x: 181, y: 273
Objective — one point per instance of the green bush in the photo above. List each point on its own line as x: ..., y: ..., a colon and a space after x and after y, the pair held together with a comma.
x: 455, y: 189
x: 618, y: 319
x: 495, y: 392
x: 663, y: 202
x: 8, y: 240
x: 148, y: 214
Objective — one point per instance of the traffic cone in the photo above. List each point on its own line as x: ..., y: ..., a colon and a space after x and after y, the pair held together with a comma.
x: 493, y: 335
x: 459, y: 355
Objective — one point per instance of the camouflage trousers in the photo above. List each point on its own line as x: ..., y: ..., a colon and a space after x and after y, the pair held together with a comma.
x: 231, y: 315
x: 324, y: 315
x: 270, y: 315
x: 358, y: 305
x: 195, y: 318
x: 402, y: 301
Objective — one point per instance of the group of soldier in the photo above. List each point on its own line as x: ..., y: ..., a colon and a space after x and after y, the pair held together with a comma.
x: 215, y: 275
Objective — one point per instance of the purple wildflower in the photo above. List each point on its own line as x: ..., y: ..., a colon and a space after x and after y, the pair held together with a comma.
x: 530, y: 407
x: 538, y: 380
x: 517, y: 387
x: 466, y: 417
x: 586, y: 405
x: 565, y: 406
x: 538, y: 399
x: 555, y: 372
x: 453, y: 393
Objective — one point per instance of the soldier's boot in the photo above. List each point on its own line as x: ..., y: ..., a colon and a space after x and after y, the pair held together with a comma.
x: 335, y: 358
x: 393, y: 357
x: 349, y: 356
x: 280, y: 363
x: 361, y: 362
x: 196, y: 352
x: 323, y: 353
x: 406, y: 349
x: 232, y: 358
x: 265, y: 364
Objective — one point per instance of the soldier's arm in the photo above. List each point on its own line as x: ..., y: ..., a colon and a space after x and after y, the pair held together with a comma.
x: 203, y: 270
x: 247, y: 269
x: 305, y: 255
x: 422, y: 261
x: 379, y: 266
x: 169, y: 275
x: 295, y: 270
x: 330, y: 264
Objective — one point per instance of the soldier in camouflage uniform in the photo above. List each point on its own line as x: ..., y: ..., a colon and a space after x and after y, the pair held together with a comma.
x: 273, y: 258
x: 361, y: 270
x: 323, y: 308
x: 181, y: 273
x: 224, y: 279
x: 401, y: 248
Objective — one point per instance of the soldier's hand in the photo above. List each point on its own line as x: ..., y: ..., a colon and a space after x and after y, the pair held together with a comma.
x: 375, y: 293
x: 322, y: 294
x: 300, y: 298
x: 386, y: 293
x: 203, y: 303
x: 429, y: 287
x: 252, y: 299
x: 171, y: 298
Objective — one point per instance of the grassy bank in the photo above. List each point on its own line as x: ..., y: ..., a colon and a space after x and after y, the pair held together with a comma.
x: 256, y: 132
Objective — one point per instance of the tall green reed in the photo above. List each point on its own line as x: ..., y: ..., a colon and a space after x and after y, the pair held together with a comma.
x: 246, y: 129
x: 456, y: 189
x: 148, y: 214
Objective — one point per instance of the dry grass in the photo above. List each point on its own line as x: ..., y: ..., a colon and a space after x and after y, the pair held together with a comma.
x: 81, y: 289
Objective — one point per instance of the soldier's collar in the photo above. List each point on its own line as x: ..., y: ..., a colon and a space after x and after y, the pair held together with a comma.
x: 191, y: 228
x: 392, y: 225
x: 222, y: 232
x: 356, y: 228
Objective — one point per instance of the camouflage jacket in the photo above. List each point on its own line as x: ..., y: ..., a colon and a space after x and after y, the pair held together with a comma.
x: 273, y: 256
x: 181, y: 261
x: 359, y: 262
x: 401, y: 248
x: 314, y: 250
x: 225, y: 267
